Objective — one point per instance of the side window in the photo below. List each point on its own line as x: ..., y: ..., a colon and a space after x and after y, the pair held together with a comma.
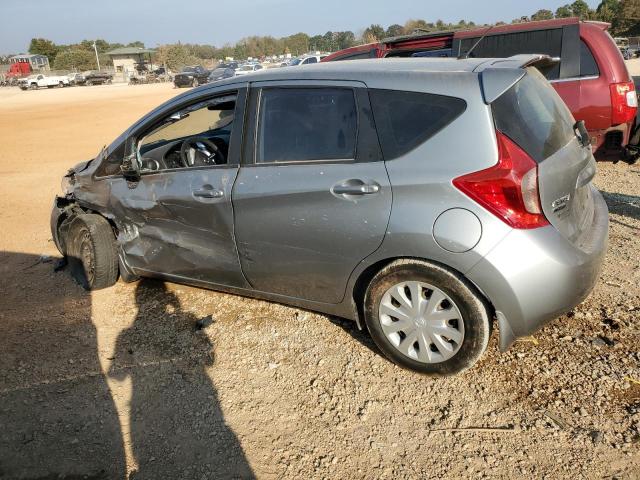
x: 588, y: 65
x: 310, y: 60
x: 195, y: 136
x: 306, y: 124
x: 407, y: 119
x: 548, y: 42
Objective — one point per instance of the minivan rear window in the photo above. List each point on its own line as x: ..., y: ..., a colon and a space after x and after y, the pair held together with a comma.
x: 533, y: 115
x: 405, y: 120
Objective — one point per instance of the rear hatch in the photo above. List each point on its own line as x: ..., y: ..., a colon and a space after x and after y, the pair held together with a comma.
x: 533, y: 116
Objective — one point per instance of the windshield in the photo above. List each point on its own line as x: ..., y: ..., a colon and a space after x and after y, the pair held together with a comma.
x: 295, y: 61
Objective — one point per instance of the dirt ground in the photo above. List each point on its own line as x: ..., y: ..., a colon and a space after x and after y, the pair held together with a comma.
x: 119, y: 383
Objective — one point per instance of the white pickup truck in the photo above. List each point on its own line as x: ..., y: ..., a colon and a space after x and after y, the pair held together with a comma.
x: 35, y: 81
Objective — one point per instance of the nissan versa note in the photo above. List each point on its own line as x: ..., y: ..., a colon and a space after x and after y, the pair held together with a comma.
x: 422, y: 198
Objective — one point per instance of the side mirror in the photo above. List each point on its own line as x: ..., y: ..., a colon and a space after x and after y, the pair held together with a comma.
x: 129, y: 167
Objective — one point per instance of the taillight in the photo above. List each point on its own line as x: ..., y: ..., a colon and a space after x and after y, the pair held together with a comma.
x: 624, y: 102
x: 509, y: 189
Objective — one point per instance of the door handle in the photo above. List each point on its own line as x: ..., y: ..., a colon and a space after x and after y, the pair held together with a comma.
x: 356, y: 189
x: 208, y: 193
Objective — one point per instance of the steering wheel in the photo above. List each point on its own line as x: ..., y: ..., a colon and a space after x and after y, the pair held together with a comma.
x: 199, y: 152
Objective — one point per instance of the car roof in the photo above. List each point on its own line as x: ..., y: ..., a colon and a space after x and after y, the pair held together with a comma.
x: 360, y: 69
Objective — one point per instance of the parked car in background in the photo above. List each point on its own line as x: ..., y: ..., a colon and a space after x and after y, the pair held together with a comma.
x: 76, y: 79
x: 305, y: 60
x: 295, y: 205
x: 591, y: 76
x: 233, y: 65
x: 221, y: 73
x: 96, y: 77
x: 34, y: 82
x: 248, y: 68
x: 191, y: 76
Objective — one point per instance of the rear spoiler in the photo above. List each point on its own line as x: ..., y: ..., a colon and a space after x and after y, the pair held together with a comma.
x: 497, y: 75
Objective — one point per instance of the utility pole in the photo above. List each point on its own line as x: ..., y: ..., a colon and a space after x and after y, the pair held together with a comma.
x: 96, y: 50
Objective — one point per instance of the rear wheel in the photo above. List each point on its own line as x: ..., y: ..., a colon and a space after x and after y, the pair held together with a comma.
x: 426, y: 318
x: 60, y: 84
x: 195, y: 83
x: 91, y: 252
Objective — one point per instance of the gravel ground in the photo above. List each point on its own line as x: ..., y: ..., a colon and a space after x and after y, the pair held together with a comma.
x: 121, y: 383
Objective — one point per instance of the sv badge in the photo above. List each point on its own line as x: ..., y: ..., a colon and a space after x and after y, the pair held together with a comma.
x: 560, y: 203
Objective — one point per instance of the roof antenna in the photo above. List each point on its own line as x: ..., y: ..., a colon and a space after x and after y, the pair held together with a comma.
x: 466, y: 55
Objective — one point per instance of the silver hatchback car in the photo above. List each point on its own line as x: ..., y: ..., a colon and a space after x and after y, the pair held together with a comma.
x: 422, y: 198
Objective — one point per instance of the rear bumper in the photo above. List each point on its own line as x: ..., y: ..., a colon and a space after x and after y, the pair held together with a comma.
x: 533, y: 276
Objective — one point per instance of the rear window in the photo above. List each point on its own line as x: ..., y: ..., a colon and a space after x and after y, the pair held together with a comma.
x: 405, y: 120
x: 548, y: 42
x: 533, y: 115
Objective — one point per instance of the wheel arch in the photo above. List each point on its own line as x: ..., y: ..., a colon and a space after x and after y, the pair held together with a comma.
x: 363, y: 281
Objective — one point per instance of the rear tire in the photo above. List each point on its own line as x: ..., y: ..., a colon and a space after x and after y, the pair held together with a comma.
x: 91, y: 251
x: 195, y: 83
x: 446, y: 355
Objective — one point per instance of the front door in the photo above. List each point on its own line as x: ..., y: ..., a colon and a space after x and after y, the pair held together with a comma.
x: 313, y: 199
x: 177, y: 219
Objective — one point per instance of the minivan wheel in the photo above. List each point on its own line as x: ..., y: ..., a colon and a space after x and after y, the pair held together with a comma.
x: 426, y: 318
x: 91, y: 252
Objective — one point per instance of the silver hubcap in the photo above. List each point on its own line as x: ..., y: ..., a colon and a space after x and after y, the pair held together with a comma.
x: 421, y: 321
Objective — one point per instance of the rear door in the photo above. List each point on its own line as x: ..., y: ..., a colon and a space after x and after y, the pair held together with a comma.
x: 532, y: 115
x: 312, y: 198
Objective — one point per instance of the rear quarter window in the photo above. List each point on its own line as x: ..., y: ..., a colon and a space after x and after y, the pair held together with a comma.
x: 588, y: 65
x: 405, y: 120
x: 533, y: 115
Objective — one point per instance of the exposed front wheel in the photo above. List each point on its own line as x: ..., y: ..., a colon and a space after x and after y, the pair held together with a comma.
x: 91, y: 252
x: 426, y: 318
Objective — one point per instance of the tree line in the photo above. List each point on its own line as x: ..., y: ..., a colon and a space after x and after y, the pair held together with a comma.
x: 624, y: 16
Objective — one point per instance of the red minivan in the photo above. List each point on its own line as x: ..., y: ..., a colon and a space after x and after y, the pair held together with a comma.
x: 591, y: 76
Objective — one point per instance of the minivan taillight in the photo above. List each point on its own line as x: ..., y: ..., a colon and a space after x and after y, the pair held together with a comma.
x: 624, y: 102
x: 509, y: 189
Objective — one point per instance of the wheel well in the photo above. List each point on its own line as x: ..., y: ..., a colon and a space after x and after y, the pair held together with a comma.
x: 363, y: 281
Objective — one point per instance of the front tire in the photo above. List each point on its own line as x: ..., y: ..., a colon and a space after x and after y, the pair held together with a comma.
x: 91, y: 251
x: 426, y: 318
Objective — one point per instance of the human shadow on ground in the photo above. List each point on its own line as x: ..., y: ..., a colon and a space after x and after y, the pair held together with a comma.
x: 57, y: 416
x: 176, y: 422
x: 625, y: 205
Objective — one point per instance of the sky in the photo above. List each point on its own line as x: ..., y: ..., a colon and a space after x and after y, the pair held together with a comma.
x: 156, y: 22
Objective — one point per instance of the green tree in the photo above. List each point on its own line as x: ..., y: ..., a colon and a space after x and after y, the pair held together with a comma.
x: 76, y: 58
x: 297, y: 43
x: 607, y: 11
x: 627, y: 20
x: 137, y: 43
x: 542, y: 14
x: 412, y: 25
x: 42, y: 46
x: 579, y: 8
x: 175, y: 56
x: 374, y: 31
x: 394, y: 30
x: 345, y: 39
x: 564, y: 11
